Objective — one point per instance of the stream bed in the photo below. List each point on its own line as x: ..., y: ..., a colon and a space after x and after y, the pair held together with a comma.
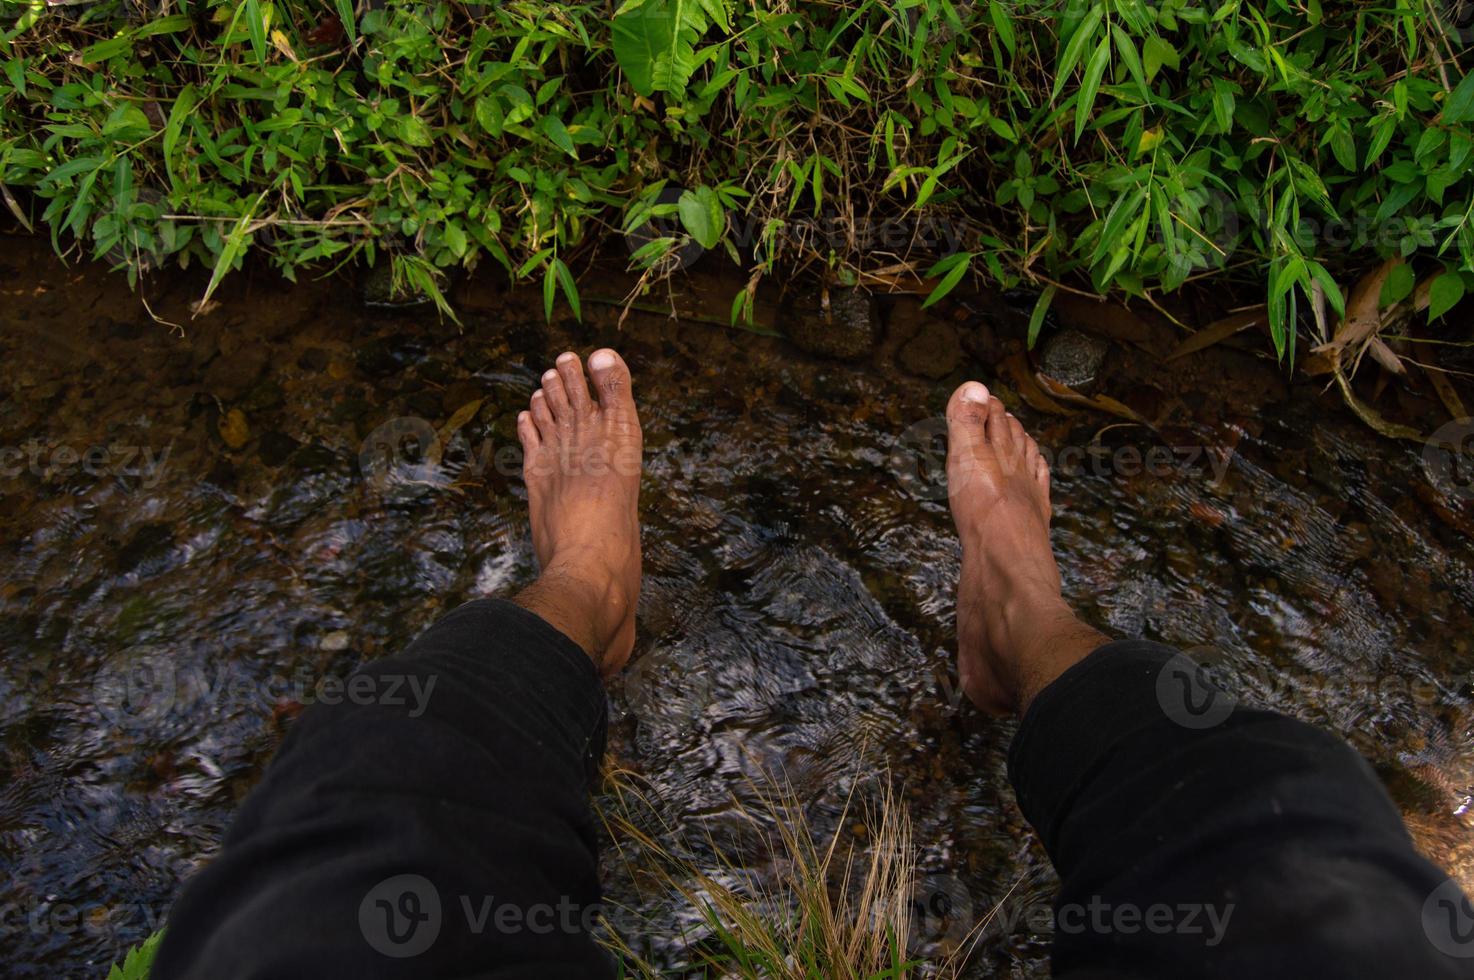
x: 197, y: 525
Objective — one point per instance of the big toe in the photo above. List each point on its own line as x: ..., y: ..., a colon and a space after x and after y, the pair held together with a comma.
x: 967, y: 411
x: 612, y: 381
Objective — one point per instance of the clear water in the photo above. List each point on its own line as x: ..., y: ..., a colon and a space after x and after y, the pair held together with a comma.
x: 797, y: 612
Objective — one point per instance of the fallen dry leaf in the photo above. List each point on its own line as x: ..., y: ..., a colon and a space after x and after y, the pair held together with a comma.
x: 1028, y: 388
x: 1100, y: 403
x: 1220, y: 330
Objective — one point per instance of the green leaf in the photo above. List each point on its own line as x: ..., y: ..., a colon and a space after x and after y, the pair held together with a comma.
x: 1397, y: 286
x: 455, y: 240
x: 256, y: 25
x: 1075, y: 48
x: 138, y: 962
x: 554, y: 130
x: 550, y: 286
x: 1445, y: 291
x: 414, y: 131
x: 1458, y: 107
x: 184, y: 105
x: 1088, y: 88
x: 489, y: 115
x: 103, y: 50
x: 1155, y: 53
x: 1003, y: 26
x: 955, y: 266
x: 1036, y: 319
x: 347, y: 16
x: 654, y: 43
x: 702, y: 216
x: 1126, y: 48
x: 570, y: 291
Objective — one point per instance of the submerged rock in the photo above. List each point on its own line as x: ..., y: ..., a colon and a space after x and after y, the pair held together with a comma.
x: 933, y: 353
x: 1073, y: 358
x: 846, y: 329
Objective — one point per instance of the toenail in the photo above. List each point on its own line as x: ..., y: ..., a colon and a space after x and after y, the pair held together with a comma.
x: 566, y: 356
x: 975, y: 392
x: 601, y: 360
x: 549, y: 376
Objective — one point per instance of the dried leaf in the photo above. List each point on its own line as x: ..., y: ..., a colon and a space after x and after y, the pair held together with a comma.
x: 458, y: 420
x: 1428, y: 354
x: 1099, y: 403
x: 1363, y: 319
x: 1371, y: 416
x: 1385, y: 356
x: 1028, y: 388
x: 1220, y: 330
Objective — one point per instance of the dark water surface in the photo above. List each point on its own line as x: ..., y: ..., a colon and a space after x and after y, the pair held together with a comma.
x: 238, y: 532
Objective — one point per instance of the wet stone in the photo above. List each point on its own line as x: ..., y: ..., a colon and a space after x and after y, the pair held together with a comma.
x: 933, y: 353
x: 313, y: 359
x: 1073, y: 358
x: 232, y: 374
x: 375, y: 359
x: 847, y: 330
x: 276, y: 448
x: 459, y: 394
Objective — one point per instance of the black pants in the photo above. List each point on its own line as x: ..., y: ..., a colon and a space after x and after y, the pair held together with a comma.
x: 436, y: 824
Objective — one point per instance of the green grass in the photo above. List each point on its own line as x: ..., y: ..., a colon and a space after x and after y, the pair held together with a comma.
x: 1106, y: 147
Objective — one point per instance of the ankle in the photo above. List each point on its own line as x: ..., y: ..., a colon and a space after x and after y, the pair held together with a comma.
x: 581, y: 601
x: 1044, y: 638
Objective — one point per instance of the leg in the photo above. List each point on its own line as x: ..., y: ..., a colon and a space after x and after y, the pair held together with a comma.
x: 1015, y: 634
x: 1233, y: 844
x: 441, y: 828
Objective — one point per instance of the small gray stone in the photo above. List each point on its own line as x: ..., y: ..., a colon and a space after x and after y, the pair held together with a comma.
x: 335, y: 642
x: 1073, y: 358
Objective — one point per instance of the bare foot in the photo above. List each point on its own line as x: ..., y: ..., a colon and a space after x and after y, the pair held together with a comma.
x: 1015, y: 633
x: 582, y: 466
